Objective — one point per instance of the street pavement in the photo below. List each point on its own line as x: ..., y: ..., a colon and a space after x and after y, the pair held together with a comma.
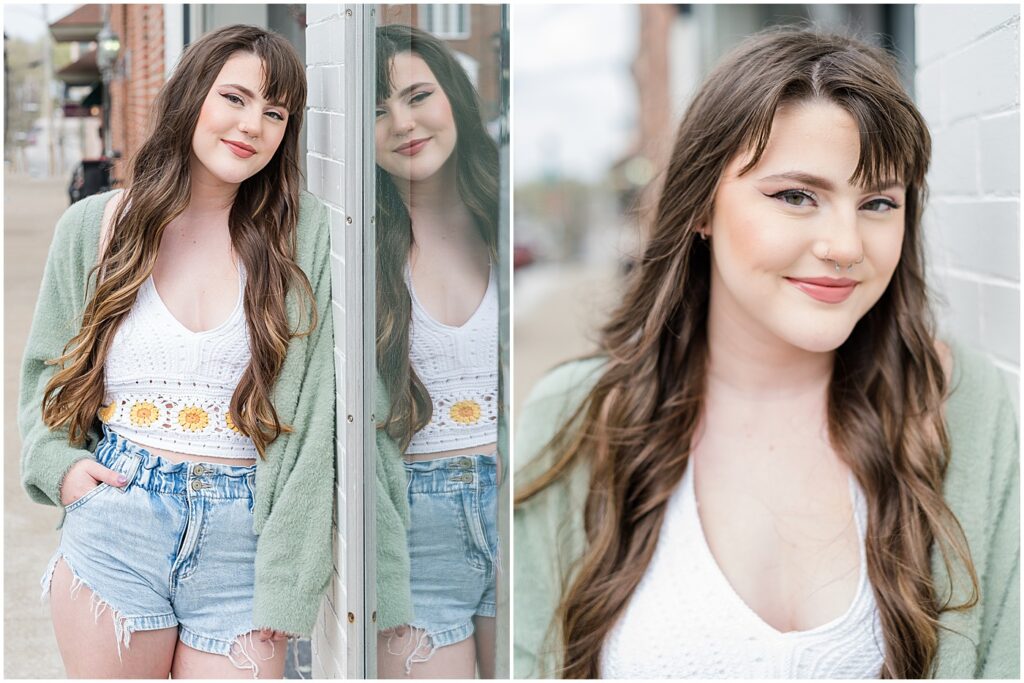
x: 31, y: 210
x: 558, y: 309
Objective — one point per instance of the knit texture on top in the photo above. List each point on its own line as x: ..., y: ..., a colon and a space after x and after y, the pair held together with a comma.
x: 982, y: 488
x: 169, y: 387
x: 459, y: 368
x: 294, y: 496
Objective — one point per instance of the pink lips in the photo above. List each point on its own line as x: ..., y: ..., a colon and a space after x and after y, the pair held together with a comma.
x: 240, y: 149
x: 413, y: 147
x: 829, y: 290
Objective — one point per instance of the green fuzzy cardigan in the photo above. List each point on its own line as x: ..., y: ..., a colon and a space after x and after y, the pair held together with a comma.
x: 982, y: 489
x: 294, y: 497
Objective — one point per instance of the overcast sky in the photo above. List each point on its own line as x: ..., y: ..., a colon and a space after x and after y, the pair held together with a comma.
x: 26, y: 21
x: 574, y: 101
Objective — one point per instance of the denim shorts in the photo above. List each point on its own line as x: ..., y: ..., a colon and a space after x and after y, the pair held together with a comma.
x: 173, y: 547
x: 453, y: 544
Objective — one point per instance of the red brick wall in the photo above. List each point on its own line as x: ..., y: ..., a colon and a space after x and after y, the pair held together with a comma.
x: 140, y: 75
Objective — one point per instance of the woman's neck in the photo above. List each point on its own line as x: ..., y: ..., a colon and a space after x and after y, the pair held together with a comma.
x: 436, y: 210
x: 211, y: 198
x: 757, y: 365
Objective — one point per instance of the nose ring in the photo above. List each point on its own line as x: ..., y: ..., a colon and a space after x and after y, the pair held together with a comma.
x: 835, y: 262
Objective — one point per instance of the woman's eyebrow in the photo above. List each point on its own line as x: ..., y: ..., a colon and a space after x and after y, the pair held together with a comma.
x: 804, y: 178
x: 825, y: 184
x: 409, y: 88
x: 248, y: 93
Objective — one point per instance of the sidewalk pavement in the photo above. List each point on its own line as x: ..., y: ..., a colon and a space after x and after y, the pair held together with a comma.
x: 558, y: 311
x: 31, y: 210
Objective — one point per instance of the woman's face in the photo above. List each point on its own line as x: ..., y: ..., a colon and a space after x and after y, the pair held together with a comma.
x: 238, y: 131
x: 778, y: 231
x: 415, y: 132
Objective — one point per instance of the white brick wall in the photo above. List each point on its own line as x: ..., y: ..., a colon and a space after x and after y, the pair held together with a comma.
x: 324, y: 177
x: 968, y: 90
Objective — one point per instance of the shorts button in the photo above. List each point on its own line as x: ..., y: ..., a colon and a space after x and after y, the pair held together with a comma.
x: 196, y: 485
x: 198, y: 469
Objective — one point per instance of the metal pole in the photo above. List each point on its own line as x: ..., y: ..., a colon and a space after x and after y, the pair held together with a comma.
x: 108, y: 145
x: 47, y: 100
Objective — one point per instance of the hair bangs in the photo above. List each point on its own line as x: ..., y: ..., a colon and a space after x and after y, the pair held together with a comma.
x: 284, y: 77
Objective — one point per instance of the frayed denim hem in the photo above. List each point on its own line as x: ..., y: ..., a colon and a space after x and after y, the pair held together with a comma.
x: 124, y: 625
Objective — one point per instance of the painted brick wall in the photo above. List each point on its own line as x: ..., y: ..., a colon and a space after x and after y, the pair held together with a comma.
x: 140, y: 75
x: 968, y: 90
x: 325, y: 38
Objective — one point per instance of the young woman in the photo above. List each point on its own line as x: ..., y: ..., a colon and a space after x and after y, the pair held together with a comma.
x: 774, y: 469
x: 198, y: 522
x: 437, y: 345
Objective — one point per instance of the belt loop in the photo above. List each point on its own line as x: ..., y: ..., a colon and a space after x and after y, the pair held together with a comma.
x: 128, y: 465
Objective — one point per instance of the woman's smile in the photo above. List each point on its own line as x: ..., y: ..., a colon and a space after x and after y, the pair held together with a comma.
x: 413, y: 147
x: 825, y: 289
x: 240, y: 149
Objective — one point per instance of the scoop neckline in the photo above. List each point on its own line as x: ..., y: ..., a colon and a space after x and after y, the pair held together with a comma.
x: 690, y: 507
x: 491, y: 281
x: 227, y: 322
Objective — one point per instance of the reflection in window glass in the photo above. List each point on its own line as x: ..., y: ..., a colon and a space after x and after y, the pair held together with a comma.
x: 437, y: 225
x: 445, y: 21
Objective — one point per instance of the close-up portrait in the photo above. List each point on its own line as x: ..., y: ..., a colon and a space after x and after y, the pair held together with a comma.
x: 766, y: 326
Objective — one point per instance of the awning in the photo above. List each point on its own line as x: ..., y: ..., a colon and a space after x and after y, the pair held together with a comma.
x: 81, y: 72
x: 80, y: 26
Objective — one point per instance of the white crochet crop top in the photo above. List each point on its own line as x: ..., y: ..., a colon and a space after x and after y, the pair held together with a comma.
x: 169, y: 387
x: 459, y: 367
x: 685, y: 620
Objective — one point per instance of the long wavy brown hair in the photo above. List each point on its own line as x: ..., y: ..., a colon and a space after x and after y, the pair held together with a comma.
x: 477, y: 181
x: 887, y: 388
x: 262, y: 223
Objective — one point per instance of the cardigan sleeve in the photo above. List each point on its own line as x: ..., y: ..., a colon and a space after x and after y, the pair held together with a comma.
x: 548, y: 528
x: 46, y: 454
x: 294, y: 553
x: 999, y: 645
x: 394, y: 588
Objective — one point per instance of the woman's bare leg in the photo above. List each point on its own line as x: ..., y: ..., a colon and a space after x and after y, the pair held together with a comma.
x: 453, y: 661
x: 269, y: 656
x: 89, y: 647
x: 486, y: 639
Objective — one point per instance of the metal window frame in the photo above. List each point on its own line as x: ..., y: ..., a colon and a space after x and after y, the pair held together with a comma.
x: 360, y: 277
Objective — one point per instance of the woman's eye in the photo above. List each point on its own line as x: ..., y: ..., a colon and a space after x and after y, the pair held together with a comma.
x: 794, y: 197
x: 233, y: 99
x: 275, y: 115
x: 420, y: 96
x: 380, y: 113
x: 880, y: 205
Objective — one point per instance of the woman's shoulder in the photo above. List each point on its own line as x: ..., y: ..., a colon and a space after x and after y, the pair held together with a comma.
x: 83, y: 219
x: 977, y: 389
x: 314, y: 218
x: 551, y: 403
x: 76, y: 238
x: 567, y: 383
x: 981, y: 421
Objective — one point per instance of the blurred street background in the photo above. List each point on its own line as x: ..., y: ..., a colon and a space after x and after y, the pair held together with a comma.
x: 600, y: 91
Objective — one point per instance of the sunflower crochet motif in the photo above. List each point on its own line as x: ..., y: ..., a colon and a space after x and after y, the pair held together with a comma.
x: 193, y: 418
x: 465, y: 412
x: 144, y: 413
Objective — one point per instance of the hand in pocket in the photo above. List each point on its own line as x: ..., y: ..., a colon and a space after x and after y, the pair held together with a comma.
x: 84, y: 476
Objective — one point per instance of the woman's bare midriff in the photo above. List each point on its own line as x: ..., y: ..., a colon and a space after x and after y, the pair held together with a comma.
x: 174, y: 456
x: 486, y: 449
